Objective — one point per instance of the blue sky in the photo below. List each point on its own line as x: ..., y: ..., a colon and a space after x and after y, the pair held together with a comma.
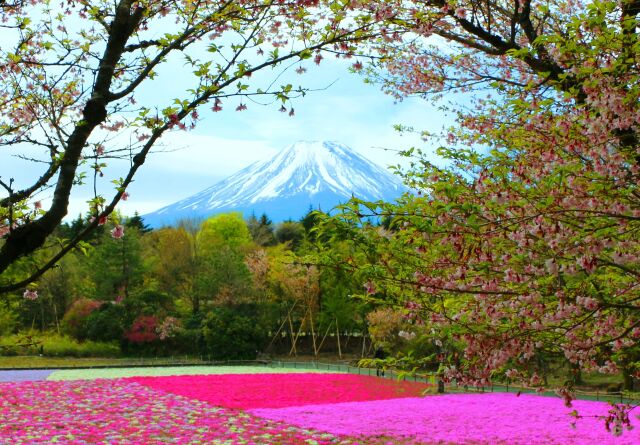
x: 345, y: 109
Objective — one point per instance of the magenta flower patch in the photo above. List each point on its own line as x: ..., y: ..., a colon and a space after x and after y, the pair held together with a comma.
x: 461, y: 419
x: 244, y: 391
x: 287, y: 409
x: 123, y: 412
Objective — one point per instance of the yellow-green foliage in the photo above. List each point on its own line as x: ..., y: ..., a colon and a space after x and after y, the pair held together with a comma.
x: 8, y: 321
x: 55, y: 345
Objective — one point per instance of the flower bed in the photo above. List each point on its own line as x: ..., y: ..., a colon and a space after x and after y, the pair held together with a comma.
x: 286, y: 409
x: 123, y: 412
x: 462, y: 419
x: 243, y: 391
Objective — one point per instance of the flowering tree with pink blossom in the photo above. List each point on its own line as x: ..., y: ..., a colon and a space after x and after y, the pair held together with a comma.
x: 527, y: 243
x: 73, y: 78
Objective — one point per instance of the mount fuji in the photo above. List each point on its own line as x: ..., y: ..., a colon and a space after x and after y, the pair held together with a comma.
x: 318, y: 175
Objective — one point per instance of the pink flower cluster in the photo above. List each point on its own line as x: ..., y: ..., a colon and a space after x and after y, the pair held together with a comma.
x: 492, y: 418
x: 246, y: 391
x: 30, y: 294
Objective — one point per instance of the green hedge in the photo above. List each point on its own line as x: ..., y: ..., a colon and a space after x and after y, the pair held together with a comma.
x: 54, y: 345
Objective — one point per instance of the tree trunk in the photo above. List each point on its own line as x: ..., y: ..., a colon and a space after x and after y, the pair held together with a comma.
x: 575, y: 374
x: 627, y: 379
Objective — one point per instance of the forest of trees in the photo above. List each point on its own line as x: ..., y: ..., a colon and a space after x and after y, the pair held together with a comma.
x: 223, y: 288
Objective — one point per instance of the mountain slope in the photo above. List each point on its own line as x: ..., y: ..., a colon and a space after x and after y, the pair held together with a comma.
x: 303, y: 175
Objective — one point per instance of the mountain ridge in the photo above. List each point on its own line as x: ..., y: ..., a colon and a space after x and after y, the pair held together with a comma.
x: 303, y: 175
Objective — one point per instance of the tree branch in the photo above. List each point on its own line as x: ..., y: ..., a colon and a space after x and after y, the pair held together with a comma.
x: 30, y: 236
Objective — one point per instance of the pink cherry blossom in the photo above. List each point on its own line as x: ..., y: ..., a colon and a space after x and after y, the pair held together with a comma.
x: 117, y: 232
x: 30, y: 294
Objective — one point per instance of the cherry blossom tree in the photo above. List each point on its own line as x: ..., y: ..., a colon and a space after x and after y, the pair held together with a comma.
x: 527, y: 243
x: 75, y: 82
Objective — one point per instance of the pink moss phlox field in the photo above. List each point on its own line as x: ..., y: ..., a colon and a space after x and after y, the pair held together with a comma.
x: 123, y: 412
x: 461, y: 419
x: 243, y: 391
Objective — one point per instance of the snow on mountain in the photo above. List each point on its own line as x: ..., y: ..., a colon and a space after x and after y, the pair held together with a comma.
x: 303, y: 175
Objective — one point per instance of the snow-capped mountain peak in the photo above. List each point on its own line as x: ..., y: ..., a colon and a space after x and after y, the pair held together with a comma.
x: 305, y: 174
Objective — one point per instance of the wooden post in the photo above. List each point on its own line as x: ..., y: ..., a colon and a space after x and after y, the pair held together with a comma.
x: 295, y: 339
x: 276, y: 334
x: 282, y: 325
x: 313, y: 332
x: 338, y: 335
x: 293, y: 343
x: 325, y: 336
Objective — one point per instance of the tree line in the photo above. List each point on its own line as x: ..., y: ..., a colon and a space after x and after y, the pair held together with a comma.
x: 224, y: 288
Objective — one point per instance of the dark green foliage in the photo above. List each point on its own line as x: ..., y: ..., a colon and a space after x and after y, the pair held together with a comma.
x: 223, y: 274
x: 107, y: 323
x: 310, y: 220
x: 290, y: 232
x: 136, y: 222
x: 69, y: 230
x: 261, y: 230
x: 148, y: 302
x: 116, y: 265
x: 237, y: 332
x: 8, y: 320
x: 190, y: 339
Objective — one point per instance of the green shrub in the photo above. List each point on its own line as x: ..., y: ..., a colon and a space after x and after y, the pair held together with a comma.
x: 60, y: 346
x: 54, y: 345
x: 236, y: 332
x: 106, y: 323
x: 8, y: 321
x: 74, y: 322
x: 11, y: 344
x: 186, y: 341
x: 421, y: 346
x: 148, y: 302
